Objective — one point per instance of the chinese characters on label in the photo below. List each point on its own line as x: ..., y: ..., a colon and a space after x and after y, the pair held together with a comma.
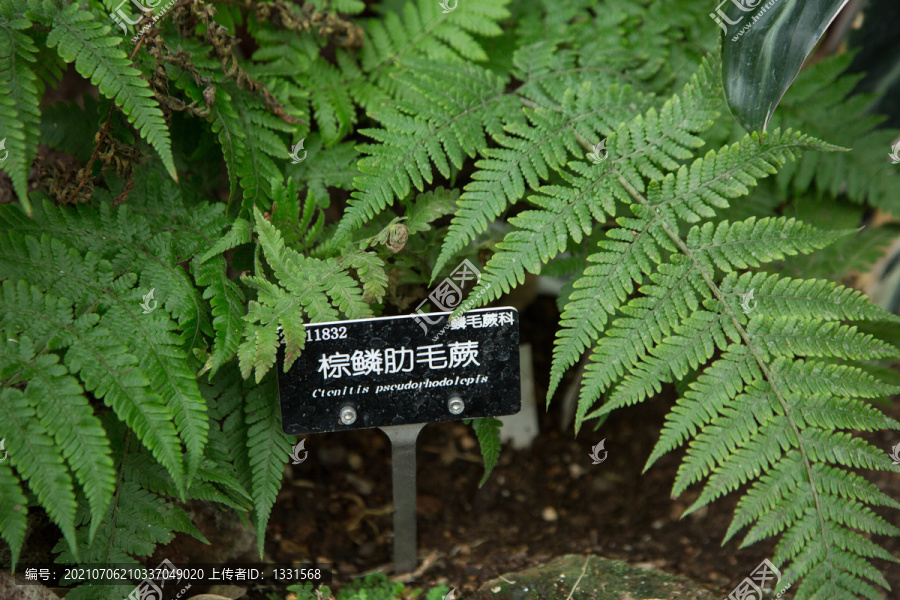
x: 447, y: 295
x: 398, y: 360
x: 481, y: 320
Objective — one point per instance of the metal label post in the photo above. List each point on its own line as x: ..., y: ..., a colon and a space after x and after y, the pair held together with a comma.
x: 403, y: 471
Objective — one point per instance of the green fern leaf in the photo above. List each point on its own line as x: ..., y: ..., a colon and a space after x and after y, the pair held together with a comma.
x: 21, y: 90
x: 82, y: 38
x: 528, y: 153
x: 634, y: 151
x: 33, y: 453
x: 488, y: 432
x: 110, y: 372
x: 269, y: 449
x: 688, y: 194
x: 322, y: 289
x: 428, y: 125
x: 370, y: 269
x: 62, y: 410
x: 13, y: 512
x: 227, y: 303
x: 425, y: 30
x: 818, y: 103
x: 240, y: 233
x: 429, y: 207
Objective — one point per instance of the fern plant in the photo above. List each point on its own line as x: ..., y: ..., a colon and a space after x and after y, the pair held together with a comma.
x: 659, y: 301
x: 568, y: 137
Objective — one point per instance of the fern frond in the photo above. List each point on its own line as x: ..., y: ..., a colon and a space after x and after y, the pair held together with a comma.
x: 153, y: 342
x: 790, y: 337
x: 110, y: 372
x: 320, y: 289
x: 806, y: 299
x: 32, y: 451
x: 240, y: 233
x: 640, y: 148
x: 819, y: 103
x: 730, y: 246
x: 326, y: 167
x: 255, y: 153
x: 81, y: 38
x: 424, y: 29
x: 106, y: 367
x: 442, y: 117
x: 21, y: 90
x: 228, y: 431
x: 269, y: 449
x: 129, y: 242
x: 137, y: 521
x: 332, y: 95
x: 13, y: 511
x: 429, y: 207
x: 62, y: 410
x: 756, y: 407
x: 227, y: 302
x: 689, y: 194
x: 488, y: 432
x: 370, y: 269
x: 529, y: 152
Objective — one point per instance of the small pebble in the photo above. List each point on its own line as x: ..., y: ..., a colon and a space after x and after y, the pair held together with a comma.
x: 550, y: 514
x: 355, y: 461
x: 576, y: 470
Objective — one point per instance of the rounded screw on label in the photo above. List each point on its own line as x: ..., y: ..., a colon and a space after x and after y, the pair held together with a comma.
x: 348, y: 415
x: 456, y: 405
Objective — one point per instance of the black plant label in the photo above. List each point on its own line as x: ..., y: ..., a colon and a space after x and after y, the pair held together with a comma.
x: 396, y: 371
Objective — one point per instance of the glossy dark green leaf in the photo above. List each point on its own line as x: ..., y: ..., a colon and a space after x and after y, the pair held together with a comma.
x: 765, y: 44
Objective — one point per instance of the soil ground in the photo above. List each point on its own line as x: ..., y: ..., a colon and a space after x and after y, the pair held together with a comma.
x: 538, y: 504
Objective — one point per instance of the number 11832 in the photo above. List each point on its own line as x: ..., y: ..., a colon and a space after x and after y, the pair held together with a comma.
x: 326, y: 333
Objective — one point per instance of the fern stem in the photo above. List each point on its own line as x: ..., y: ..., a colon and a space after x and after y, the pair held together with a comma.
x: 120, y: 478
x: 748, y: 341
x: 104, y: 131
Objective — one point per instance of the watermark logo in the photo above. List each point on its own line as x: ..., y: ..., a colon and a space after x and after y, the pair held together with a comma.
x: 746, y: 300
x: 595, y: 452
x: 448, y: 295
x: 895, y: 152
x: 895, y: 454
x: 123, y: 19
x: 295, y: 158
x: 751, y: 588
x: 445, y: 4
x: 295, y: 452
x: 5, y: 151
x: 451, y: 595
x: 166, y: 572
x: 745, y: 6
x: 719, y: 16
x: 5, y: 455
x: 595, y: 153
x: 146, y: 303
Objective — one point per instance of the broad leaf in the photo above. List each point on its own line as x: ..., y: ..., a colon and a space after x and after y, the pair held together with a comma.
x: 765, y: 45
